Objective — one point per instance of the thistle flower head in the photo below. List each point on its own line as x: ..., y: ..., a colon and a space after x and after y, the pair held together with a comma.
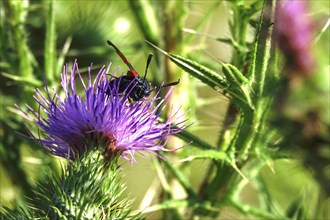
x: 101, y: 117
x: 293, y: 32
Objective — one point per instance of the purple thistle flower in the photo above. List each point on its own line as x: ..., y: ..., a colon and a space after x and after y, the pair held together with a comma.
x: 293, y: 32
x: 101, y: 117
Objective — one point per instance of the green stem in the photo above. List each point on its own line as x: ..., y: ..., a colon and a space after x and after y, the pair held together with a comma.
x: 250, y: 210
x: 50, y: 44
x: 251, y: 120
x: 179, y: 176
x: 194, y: 140
x: 262, y: 50
x: 245, y: 133
x: 224, y: 135
x: 239, y: 30
x: 146, y: 20
x: 16, y: 12
x: 262, y: 67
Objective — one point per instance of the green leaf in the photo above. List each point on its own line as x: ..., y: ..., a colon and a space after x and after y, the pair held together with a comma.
x: 18, y: 78
x: 233, y: 85
x: 254, y: 8
x: 297, y: 210
x: 146, y: 19
x: 228, y: 41
x: 239, y: 84
x: 234, y: 75
x: 208, y: 154
x: 206, y: 75
x: 202, y: 21
x: 196, y: 141
x: 175, y: 204
x: 179, y: 175
x: 253, y: 211
x: 61, y: 57
x: 218, y: 156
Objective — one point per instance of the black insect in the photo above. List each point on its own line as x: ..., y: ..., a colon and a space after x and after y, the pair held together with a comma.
x: 137, y: 87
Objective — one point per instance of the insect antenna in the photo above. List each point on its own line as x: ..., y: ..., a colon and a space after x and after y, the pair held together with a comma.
x: 166, y: 85
x: 147, y: 66
x: 121, y: 55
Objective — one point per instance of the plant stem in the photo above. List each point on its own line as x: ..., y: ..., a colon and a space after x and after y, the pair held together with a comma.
x: 50, y: 44
x: 17, y: 12
x: 251, y: 121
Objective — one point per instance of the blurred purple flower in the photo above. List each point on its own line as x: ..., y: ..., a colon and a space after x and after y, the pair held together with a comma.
x: 293, y: 32
x: 98, y: 118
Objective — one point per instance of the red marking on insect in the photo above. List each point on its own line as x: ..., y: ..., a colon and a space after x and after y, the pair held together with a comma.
x: 141, y: 88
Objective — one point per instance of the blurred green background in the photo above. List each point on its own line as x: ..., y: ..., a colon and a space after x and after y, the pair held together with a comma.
x: 85, y: 26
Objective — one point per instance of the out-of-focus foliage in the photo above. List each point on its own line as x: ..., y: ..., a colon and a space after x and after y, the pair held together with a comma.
x: 260, y: 138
